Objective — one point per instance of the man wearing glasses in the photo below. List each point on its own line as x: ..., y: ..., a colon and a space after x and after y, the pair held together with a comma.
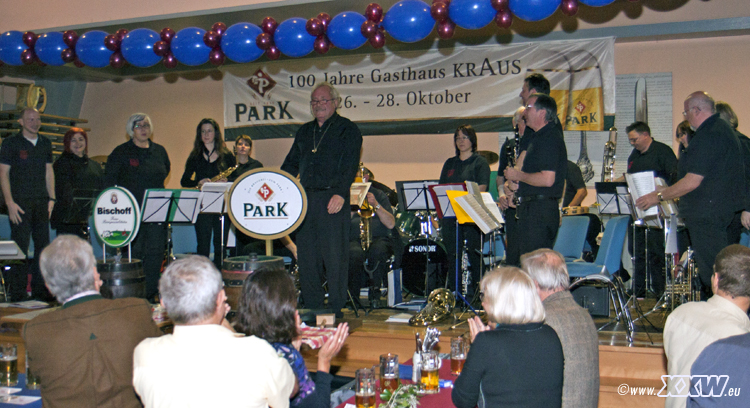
x: 542, y: 176
x: 325, y: 155
x: 712, y: 187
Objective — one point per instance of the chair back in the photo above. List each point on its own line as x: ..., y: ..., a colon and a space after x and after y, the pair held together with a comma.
x: 4, y: 227
x: 744, y: 238
x: 492, y: 188
x: 94, y: 240
x: 184, y: 240
x: 610, y: 251
x: 571, y: 237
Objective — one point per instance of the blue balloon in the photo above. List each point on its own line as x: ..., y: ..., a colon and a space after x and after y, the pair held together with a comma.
x: 188, y: 46
x: 138, y: 47
x: 409, y: 21
x: 292, y: 39
x: 471, y: 14
x: 91, y: 51
x: 534, y: 10
x: 597, y: 3
x: 11, y: 47
x: 345, y: 31
x: 238, y: 42
x: 49, y: 48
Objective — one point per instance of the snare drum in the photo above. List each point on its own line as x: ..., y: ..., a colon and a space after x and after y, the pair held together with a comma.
x: 419, y: 256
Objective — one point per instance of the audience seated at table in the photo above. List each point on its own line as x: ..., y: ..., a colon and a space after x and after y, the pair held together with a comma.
x: 268, y: 309
x: 518, y: 361
x: 83, y: 352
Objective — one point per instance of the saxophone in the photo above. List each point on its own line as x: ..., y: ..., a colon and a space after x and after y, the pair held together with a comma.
x: 365, y: 214
x: 224, y: 174
x: 608, y: 161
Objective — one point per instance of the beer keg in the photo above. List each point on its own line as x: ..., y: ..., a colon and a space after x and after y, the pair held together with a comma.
x: 122, y: 279
x: 236, y: 269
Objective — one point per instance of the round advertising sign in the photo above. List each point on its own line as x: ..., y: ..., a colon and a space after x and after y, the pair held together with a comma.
x: 117, y: 217
x: 266, y: 204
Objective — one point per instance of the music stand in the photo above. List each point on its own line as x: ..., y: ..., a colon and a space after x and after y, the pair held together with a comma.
x: 163, y: 205
x: 414, y: 196
x: 613, y: 198
x: 80, y: 208
x: 213, y: 202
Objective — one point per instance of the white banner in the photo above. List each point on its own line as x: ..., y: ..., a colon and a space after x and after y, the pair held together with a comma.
x: 424, y: 91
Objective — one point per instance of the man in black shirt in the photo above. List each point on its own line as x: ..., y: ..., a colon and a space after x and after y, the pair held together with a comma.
x: 713, y: 188
x: 28, y: 184
x: 541, y: 177
x: 325, y: 155
x: 648, y: 155
x: 575, y: 187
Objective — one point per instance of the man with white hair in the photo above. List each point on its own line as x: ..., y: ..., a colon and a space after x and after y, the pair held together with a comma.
x: 83, y: 352
x: 573, y: 326
x: 202, y: 363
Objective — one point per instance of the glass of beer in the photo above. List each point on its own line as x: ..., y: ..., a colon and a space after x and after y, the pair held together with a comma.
x: 8, y: 364
x: 32, y: 381
x: 429, y: 379
x: 459, y: 349
x: 389, y: 379
x: 364, y: 389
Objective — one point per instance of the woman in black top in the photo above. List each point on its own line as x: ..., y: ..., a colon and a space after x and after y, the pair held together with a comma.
x: 75, y: 176
x: 466, y: 165
x: 243, y: 146
x: 518, y: 362
x: 209, y: 157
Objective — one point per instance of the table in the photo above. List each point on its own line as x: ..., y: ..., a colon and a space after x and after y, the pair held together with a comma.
x: 440, y: 400
x: 24, y: 391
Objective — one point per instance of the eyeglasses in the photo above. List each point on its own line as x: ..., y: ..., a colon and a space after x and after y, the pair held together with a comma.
x: 481, y: 296
x: 635, y: 139
x: 684, y: 113
x: 457, y: 138
x: 320, y: 102
x: 141, y: 125
x: 529, y: 106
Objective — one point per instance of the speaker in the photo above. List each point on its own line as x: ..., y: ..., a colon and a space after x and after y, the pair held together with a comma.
x: 594, y: 298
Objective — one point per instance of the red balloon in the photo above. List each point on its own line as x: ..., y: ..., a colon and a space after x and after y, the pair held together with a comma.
x: 111, y: 42
x: 504, y: 18
x: 78, y: 63
x: 314, y: 27
x: 121, y: 33
x: 374, y: 12
x: 368, y: 29
x: 324, y: 18
x: 446, y: 29
x: 70, y: 38
x: 216, y: 57
x: 29, y: 38
x: 169, y: 60
x: 322, y: 45
x: 68, y: 55
x: 269, y: 25
x: 161, y: 48
x: 439, y: 12
x: 28, y: 57
x: 167, y: 34
x: 212, y: 39
x: 447, y: 2
x: 273, y: 53
x: 499, y: 5
x: 377, y: 40
x: 264, y: 41
x: 116, y: 60
x: 569, y: 7
x: 219, y: 28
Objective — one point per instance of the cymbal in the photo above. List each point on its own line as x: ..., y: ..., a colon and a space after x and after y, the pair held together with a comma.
x: 491, y: 157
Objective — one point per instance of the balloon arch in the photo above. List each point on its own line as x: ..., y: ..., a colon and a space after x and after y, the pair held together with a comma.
x: 406, y: 21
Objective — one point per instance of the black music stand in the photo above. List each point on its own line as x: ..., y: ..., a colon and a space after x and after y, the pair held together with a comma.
x: 80, y: 209
x: 162, y: 205
x: 213, y: 202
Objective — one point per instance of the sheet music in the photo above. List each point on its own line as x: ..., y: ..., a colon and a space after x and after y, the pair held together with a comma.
x: 494, y: 211
x: 358, y: 193
x: 641, y: 184
x: 479, y: 215
x: 156, y: 205
x: 443, y: 200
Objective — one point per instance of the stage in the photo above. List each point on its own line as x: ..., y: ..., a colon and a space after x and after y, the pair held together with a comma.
x: 640, y: 364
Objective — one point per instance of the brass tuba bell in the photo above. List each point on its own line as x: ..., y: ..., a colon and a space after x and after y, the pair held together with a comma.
x: 439, y: 307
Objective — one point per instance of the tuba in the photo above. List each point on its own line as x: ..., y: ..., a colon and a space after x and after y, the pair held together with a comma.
x: 365, y: 214
x: 439, y: 307
x: 608, y: 161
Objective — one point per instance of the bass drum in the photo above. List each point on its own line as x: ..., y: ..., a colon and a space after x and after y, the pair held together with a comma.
x: 423, y: 255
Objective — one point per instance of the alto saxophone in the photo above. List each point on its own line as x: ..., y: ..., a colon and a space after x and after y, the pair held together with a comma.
x: 365, y: 214
x: 224, y: 174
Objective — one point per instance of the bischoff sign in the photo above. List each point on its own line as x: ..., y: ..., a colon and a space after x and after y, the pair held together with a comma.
x: 117, y: 217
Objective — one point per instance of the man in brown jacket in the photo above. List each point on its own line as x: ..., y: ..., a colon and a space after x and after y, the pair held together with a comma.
x: 83, y: 352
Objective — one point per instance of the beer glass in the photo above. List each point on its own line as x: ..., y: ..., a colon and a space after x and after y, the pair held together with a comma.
x: 8, y: 364
x: 364, y: 396
x: 459, y: 348
x: 32, y: 381
x: 389, y: 379
x: 429, y: 379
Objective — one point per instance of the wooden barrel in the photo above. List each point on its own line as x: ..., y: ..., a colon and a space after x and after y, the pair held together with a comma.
x: 235, y: 270
x: 123, y: 279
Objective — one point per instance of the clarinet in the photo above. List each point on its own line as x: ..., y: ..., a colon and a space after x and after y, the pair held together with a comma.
x: 465, y: 273
x: 514, y: 155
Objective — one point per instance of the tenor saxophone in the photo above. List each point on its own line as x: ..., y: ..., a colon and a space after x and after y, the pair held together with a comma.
x: 365, y: 214
x: 608, y: 161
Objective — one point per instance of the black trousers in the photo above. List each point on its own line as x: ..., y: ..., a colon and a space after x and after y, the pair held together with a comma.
x: 376, y: 256
x: 34, y: 225
x: 538, y: 222
x: 513, y: 245
x: 323, y: 252
x: 653, y: 240
x: 205, y: 226
x: 472, y: 235
x: 149, y: 246
x: 708, y: 235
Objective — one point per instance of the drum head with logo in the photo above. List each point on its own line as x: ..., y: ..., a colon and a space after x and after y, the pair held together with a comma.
x: 421, y: 256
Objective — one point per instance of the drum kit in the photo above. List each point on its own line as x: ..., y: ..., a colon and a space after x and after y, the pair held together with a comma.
x: 424, y: 252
